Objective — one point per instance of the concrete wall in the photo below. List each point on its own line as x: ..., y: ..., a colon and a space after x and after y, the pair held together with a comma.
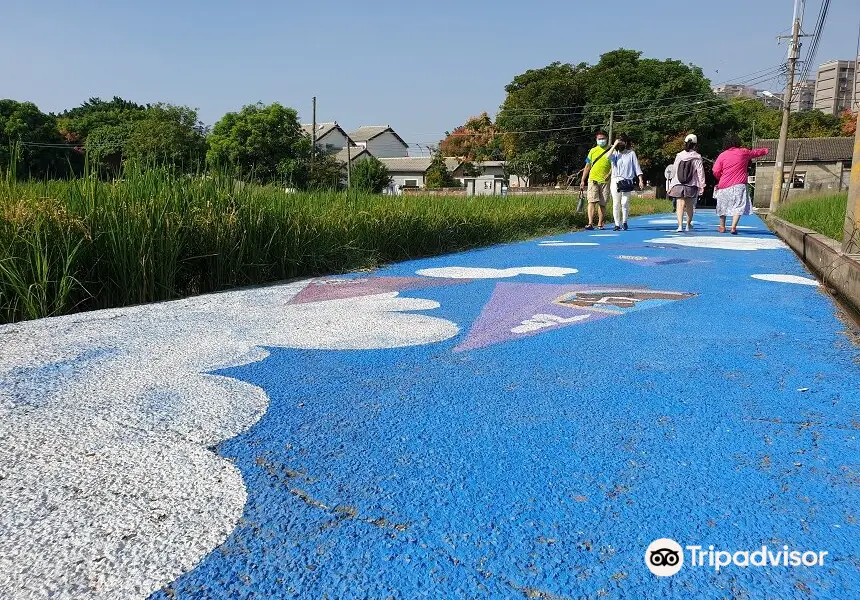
x: 399, y: 179
x: 442, y: 192
x: 840, y: 272
x: 819, y: 177
x: 485, y: 185
x: 387, y: 145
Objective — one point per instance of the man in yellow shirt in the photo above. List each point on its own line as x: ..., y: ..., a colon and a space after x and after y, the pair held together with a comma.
x: 596, y: 174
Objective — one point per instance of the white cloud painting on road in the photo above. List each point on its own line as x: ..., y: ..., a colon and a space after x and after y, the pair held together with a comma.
x: 108, y: 484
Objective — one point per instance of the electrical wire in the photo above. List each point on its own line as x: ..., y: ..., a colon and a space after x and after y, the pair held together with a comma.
x: 592, y: 126
x: 813, y: 46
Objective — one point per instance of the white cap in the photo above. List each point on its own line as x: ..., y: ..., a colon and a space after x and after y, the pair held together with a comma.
x: 691, y: 137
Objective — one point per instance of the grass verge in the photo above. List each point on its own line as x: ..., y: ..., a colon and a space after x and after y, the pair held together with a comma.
x: 823, y: 213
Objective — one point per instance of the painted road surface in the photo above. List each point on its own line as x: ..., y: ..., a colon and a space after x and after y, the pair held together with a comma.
x: 520, y: 421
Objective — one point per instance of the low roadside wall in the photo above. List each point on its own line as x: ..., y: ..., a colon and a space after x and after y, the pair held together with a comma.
x: 839, y: 271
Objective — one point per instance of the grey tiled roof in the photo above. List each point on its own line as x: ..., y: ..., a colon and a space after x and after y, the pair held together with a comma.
x: 415, y: 164
x: 365, y: 133
x: 828, y: 149
x: 322, y: 128
x: 368, y: 132
x: 354, y: 152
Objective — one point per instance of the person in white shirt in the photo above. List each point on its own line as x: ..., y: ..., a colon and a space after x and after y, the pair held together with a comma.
x: 625, y: 172
x: 688, y: 181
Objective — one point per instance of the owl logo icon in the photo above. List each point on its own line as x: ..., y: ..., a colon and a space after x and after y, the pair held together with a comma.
x: 664, y: 557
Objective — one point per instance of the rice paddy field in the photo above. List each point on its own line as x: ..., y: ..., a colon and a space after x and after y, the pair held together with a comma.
x: 152, y: 235
x: 822, y: 213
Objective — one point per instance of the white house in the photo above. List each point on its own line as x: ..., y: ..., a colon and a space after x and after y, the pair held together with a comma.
x: 487, y: 181
x: 411, y: 171
x: 330, y: 136
x: 380, y: 140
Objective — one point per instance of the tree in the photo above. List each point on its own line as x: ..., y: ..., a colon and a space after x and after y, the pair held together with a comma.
x: 77, y: 124
x: 437, y: 175
x: 753, y: 120
x: 477, y: 140
x: 264, y: 141
x: 540, y: 118
x: 101, y: 128
x: 166, y: 135
x: 848, y: 121
x: 370, y: 175
x: 551, y: 114
x: 814, y: 123
x: 327, y: 172
x: 27, y: 132
x: 119, y: 130
x: 525, y: 165
x: 655, y: 102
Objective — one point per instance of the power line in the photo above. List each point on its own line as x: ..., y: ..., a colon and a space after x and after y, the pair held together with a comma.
x: 592, y: 126
x: 813, y: 46
x: 607, y: 105
x: 754, y: 73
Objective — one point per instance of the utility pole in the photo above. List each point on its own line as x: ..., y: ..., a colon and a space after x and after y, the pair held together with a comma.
x: 851, y: 230
x: 348, y: 166
x: 611, y: 123
x: 313, y: 132
x: 793, y: 48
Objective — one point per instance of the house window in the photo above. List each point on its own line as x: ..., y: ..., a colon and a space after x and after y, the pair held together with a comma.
x: 410, y: 183
x: 799, y: 181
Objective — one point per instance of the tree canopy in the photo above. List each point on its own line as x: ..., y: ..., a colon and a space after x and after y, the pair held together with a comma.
x: 167, y: 135
x: 437, y: 175
x: 117, y: 130
x: 31, y: 135
x: 264, y: 141
x: 476, y: 140
x: 542, y: 118
x: 370, y: 175
x: 550, y: 115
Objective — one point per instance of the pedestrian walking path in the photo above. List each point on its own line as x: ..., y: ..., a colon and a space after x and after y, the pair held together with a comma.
x: 520, y: 421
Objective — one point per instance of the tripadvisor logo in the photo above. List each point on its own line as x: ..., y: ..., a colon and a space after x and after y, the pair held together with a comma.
x: 665, y: 557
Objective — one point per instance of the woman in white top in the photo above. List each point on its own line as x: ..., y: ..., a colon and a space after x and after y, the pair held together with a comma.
x: 688, y: 181
x: 625, y: 172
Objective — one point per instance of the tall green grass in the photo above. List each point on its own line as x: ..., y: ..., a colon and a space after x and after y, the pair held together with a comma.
x: 824, y: 213
x: 154, y: 235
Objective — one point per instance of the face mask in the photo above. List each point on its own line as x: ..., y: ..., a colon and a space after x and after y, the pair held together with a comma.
x: 621, y: 147
x: 601, y: 143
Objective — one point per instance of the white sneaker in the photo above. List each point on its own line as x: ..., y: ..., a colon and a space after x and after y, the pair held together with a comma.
x: 679, y: 230
x: 689, y: 227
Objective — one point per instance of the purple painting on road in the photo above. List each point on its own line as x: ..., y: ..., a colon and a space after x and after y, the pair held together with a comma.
x: 339, y: 289
x: 518, y: 310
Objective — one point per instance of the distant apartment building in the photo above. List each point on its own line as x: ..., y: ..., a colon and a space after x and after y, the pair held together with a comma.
x: 835, y: 86
x: 732, y: 90
x: 803, y: 97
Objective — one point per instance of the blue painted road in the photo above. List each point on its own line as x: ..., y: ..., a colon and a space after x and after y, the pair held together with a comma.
x: 658, y: 392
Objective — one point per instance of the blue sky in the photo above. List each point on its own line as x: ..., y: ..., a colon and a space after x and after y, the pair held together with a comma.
x: 422, y: 67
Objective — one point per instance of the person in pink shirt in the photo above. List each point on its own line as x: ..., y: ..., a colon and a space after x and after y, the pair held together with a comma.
x: 730, y: 168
